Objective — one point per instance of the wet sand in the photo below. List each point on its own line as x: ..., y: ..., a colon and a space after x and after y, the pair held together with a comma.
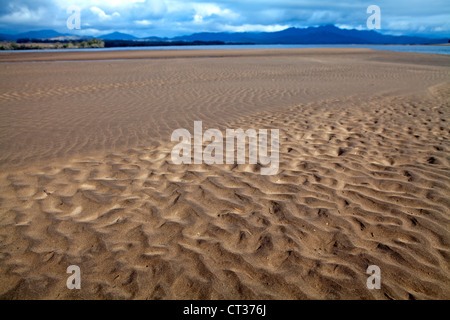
x: 86, y: 176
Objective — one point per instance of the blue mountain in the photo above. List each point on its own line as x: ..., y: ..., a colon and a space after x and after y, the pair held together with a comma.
x: 117, y: 36
x: 328, y: 34
x: 41, y: 34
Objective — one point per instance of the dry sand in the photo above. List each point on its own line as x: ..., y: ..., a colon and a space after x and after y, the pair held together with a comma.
x: 86, y: 176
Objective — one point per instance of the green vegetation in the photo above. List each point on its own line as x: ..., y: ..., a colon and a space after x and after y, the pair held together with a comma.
x: 32, y: 44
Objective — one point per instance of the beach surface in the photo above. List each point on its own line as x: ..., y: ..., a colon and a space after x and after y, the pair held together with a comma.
x: 86, y: 176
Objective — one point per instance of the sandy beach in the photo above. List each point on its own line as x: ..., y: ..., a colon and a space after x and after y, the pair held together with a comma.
x: 86, y: 176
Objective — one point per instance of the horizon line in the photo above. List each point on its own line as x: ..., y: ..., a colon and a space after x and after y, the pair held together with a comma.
x: 379, y: 31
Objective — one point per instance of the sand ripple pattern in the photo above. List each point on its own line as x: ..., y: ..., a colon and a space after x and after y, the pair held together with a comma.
x: 362, y: 181
x: 67, y: 109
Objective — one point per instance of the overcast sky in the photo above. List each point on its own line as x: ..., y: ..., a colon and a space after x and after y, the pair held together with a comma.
x: 177, y: 17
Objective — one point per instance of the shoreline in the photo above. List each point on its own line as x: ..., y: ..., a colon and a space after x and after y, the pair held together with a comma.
x: 168, y: 51
x: 164, y: 54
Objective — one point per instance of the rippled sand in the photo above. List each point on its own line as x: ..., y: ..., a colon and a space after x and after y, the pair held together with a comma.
x: 87, y: 179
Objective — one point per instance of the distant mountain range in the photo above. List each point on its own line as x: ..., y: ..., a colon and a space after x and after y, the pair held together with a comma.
x: 314, y: 35
x: 328, y: 34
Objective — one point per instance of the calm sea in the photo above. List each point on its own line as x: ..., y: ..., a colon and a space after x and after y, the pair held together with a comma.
x: 402, y: 48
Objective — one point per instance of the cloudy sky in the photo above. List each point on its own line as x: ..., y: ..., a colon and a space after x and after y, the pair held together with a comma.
x: 177, y: 17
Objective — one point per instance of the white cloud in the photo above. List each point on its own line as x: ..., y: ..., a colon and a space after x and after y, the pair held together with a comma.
x: 102, y: 15
x: 144, y: 22
x: 255, y: 28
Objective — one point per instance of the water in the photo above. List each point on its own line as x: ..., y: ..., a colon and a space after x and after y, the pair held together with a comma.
x: 405, y: 48
x: 402, y: 48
